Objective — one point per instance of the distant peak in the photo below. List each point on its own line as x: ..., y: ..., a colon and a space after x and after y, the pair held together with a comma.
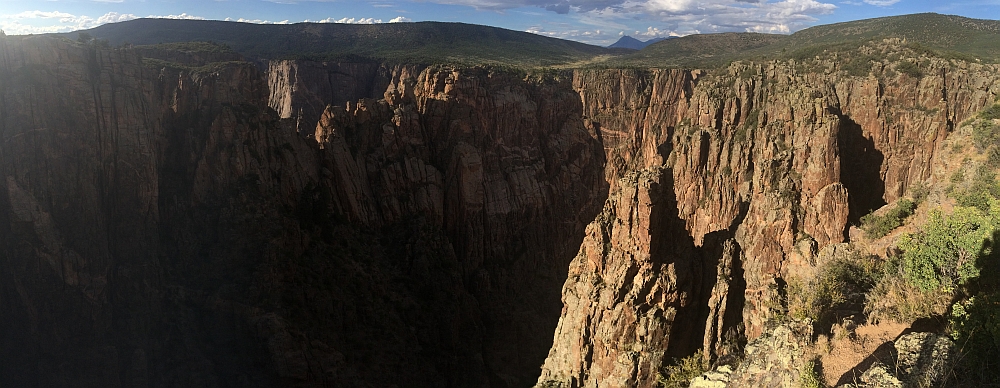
x: 633, y: 43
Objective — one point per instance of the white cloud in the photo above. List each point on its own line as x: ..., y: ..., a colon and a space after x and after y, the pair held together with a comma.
x: 40, y: 15
x: 352, y: 21
x: 881, y: 3
x: 115, y: 17
x: 678, y: 16
x: 256, y: 21
x: 184, y: 16
x: 43, y: 22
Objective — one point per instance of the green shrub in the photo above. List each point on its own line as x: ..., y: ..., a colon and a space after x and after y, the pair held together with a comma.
x: 809, y: 376
x: 985, y: 134
x: 679, y: 374
x: 991, y: 113
x: 993, y: 157
x: 983, y: 188
x: 894, y: 299
x: 859, y: 65
x: 975, y: 327
x: 919, y: 191
x: 909, y: 68
x: 838, y: 283
x: 877, y: 226
x: 944, y: 253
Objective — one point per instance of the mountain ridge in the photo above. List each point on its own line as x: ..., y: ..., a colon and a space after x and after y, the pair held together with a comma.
x: 942, y: 35
x: 633, y: 43
x: 470, y: 44
x: 419, y: 42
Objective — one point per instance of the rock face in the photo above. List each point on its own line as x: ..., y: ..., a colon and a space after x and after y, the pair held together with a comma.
x: 925, y: 359
x: 775, y: 359
x: 767, y: 164
x: 920, y: 360
x: 169, y: 228
x: 352, y: 224
x: 301, y: 90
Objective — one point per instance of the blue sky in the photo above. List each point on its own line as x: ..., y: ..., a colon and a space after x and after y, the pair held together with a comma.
x: 591, y: 21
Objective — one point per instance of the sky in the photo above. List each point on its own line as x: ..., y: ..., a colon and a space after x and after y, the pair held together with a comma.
x: 599, y: 22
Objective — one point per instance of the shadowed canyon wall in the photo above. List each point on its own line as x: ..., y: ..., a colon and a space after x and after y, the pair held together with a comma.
x: 167, y: 227
x: 345, y: 224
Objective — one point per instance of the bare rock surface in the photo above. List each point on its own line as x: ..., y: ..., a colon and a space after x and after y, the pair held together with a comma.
x: 310, y: 224
x: 769, y: 163
x: 170, y: 227
x: 776, y: 358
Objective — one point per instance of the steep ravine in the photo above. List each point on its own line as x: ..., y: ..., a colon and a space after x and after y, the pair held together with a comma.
x: 309, y: 224
x: 724, y: 183
x: 166, y: 227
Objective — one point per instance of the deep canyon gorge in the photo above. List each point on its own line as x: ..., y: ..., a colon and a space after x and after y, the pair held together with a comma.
x: 304, y: 223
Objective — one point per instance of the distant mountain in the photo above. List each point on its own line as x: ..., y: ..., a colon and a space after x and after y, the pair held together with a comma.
x: 459, y: 43
x: 423, y: 42
x: 944, y: 35
x: 629, y: 42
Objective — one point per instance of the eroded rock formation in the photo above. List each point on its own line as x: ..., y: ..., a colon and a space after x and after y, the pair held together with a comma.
x: 352, y: 224
x: 167, y: 227
x: 767, y: 164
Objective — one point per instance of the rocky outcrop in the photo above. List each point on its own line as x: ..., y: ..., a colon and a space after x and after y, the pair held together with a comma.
x: 717, y: 378
x: 767, y: 160
x: 777, y: 358
x: 925, y: 359
x: 505, y: 169
x: 301, y: 90
x: 920, y: 359
x: 626, y: 257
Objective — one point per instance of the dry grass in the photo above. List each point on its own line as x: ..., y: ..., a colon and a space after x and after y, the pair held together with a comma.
x: 895, y: 300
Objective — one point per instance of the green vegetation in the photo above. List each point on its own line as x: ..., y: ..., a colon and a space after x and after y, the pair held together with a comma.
x: 985, y: 133
x: 838, y: 285
x: 944, y: 261
x: 680, y: 373
x: 919, y: 191
x: 193, y: 47
x: 943, y: 36
x: 878, y: 226
x: 425, y: 42
x: 943, y: 253
x: 894, y: 298
x: 949, y: 37
x: 909, y: 68
x: 859, y: 65
x: 975, y: 327
x: 809, y: 377
x: 209, y: 68
x: 991, y: 113
x: 940, y: 264
x: 980, y: 191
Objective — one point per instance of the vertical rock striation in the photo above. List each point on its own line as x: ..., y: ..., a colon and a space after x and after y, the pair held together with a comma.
x: 167, y: 227
x: 766, y: 164
x: 357, y: 224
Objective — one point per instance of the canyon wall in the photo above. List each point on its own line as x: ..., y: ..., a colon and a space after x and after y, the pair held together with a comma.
x: 299, y: 223
x: 724, y: 185
x: 167, y: 227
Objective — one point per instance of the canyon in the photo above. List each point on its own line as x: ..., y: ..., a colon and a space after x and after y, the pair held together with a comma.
x: 305, y: 223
